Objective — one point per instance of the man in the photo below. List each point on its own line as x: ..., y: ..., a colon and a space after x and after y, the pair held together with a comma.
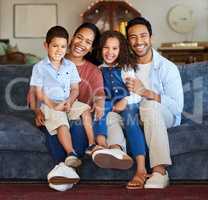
x: 159, y: 84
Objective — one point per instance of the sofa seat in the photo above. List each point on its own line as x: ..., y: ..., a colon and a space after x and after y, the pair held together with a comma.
x: 23, y: 153
x: 194, y: 138
x: 19, y: 135
x: 189, y: 150
x: 24, y: 156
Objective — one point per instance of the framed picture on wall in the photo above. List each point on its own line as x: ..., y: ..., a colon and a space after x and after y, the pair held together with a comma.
x: 33, y: 20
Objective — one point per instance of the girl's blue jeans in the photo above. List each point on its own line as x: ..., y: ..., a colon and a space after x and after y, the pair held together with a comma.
x: 133, y: 132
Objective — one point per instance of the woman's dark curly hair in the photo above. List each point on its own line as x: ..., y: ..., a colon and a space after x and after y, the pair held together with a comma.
x: 125, y: 58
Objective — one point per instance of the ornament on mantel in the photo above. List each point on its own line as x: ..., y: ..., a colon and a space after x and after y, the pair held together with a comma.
x: 110, y: 14
x: 97, y: 1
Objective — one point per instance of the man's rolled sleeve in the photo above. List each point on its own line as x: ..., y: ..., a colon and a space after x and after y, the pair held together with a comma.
x: 173, y: 92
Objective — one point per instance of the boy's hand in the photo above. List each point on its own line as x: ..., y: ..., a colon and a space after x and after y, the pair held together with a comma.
x: 67, y: 106
x: 60, y: 106
x: 120, y: 105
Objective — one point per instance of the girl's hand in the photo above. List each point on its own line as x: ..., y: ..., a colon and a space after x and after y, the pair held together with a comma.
x: 120, y: 105
x: 135, y: 85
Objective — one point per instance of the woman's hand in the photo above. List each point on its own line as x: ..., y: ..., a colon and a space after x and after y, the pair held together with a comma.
x: 98, y: 112
x: 98, y: 108
x: 39, y: 118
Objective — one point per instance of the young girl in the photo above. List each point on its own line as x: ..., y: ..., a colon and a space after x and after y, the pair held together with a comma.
x: 118, y: 65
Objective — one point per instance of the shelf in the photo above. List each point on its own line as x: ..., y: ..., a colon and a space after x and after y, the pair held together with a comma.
x: 180, y: 48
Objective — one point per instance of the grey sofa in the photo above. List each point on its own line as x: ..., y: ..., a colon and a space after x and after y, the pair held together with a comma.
x: 24, y: 156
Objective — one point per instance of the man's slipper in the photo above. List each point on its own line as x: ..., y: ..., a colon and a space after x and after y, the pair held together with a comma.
x: 137, y: 182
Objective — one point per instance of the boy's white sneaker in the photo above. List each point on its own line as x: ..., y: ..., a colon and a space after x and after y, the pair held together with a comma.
x: 61, y: 187
x: 157, y: 180
x: 72, y: 160
x: 62, y: 174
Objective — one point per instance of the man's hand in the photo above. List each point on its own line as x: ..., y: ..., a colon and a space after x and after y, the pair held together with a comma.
x: 39, y: 118
x: 120, y: 105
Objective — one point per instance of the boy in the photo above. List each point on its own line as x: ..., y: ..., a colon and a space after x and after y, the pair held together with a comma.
x: 56, y: 82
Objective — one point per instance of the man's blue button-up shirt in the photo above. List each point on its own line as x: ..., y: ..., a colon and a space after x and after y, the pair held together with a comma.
x: 165, y: 80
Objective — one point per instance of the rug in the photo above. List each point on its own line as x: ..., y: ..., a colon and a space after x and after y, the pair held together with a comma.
x: 85, y: 191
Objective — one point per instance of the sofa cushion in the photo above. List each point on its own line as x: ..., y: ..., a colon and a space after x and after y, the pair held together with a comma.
x: 187, y: 138
x: 19, y: 135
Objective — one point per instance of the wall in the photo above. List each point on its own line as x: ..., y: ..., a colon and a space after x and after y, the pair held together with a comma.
x: 0, y: 16
x: 156, y: 12
x: 69, y: 17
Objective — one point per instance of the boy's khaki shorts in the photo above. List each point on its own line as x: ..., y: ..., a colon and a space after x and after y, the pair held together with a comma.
x: 55, y: 119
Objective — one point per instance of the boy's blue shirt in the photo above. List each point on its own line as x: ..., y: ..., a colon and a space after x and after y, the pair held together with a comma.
x: 55, y: 83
